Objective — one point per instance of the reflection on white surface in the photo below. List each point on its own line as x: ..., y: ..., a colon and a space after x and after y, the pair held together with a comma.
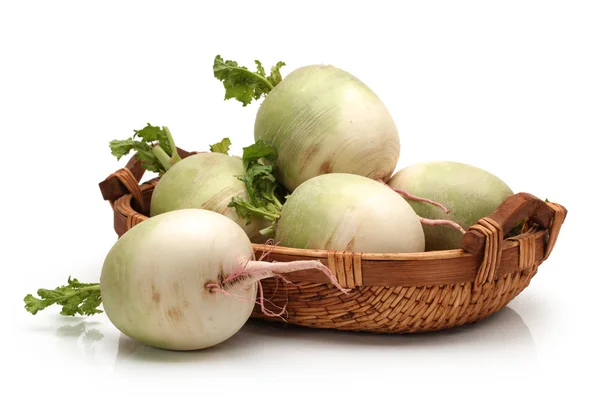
x: 263, y: 349
x: 85, y: 336
x: 264, y: 344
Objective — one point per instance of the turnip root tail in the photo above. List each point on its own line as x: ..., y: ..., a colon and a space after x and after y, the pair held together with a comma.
x: 213, y: 287
x: 437, y: 222
x: 428, y: 222
x: 419, y: 199
x: 416, y: 198
x: 255, y: 270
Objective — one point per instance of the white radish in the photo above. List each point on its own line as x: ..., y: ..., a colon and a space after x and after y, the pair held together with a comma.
x: 181, y: 280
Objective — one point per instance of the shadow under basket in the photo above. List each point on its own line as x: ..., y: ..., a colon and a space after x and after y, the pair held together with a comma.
x: 390, y: 293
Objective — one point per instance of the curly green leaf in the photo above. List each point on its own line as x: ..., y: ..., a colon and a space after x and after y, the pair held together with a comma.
x: 242, y: 84
x: 221, y: 147
x: 75, y: 298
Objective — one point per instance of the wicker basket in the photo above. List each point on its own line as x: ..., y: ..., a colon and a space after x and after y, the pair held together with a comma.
x: 391, y: 293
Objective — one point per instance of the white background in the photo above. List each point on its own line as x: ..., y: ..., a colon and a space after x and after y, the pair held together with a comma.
x: 512, y: 87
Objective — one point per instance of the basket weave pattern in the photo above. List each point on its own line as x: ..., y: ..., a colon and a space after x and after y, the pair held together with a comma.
x: 391, y: 293
x: 393, y: 309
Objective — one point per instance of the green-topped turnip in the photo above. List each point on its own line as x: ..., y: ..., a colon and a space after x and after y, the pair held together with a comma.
x: 206, y: 180
x: 320, y: 119
x: 182, y: 280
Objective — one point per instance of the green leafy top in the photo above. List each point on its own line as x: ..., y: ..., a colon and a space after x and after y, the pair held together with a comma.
x: 75, y: 298
x: 221, y: 147
x: 261, y: 185
x: 154, y: 146
x: 244, y: 85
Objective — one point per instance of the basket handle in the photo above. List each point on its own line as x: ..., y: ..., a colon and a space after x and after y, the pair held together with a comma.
x: 485, y: 239
x: 546, y: 215
x: 126, y: 180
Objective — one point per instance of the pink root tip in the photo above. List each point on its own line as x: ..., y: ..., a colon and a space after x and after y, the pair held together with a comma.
x: 436, y: 222
x: 416, y: 198
x: 213, y: 287
x: 253, y: 271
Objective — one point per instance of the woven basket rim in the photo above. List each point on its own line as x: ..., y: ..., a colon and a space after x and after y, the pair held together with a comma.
x: 425, y: 255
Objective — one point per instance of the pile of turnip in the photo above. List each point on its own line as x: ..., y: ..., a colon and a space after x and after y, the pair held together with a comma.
x: 321, y: 172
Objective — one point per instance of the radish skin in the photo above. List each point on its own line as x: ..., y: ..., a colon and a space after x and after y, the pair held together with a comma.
x: 153, y: 280
x: 321, y: 120
x: 186, y: 280
x: 349, y: 212
x: 205, y: 181
x: 469, y: 192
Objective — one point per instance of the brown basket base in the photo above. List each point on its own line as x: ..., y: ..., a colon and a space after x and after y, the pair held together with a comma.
x: 390, y: 309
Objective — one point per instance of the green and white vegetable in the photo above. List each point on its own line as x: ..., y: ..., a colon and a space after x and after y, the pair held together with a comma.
x: 320, y: 119
x: 344, y: 212
x: 349, y: 212
x: 153, y: 280
x: 182, y: 280
x: 469, y: 192
x: 205, y: 180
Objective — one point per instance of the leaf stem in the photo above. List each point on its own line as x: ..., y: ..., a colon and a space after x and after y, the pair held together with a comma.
x: 261, y: 212
x: 260, y: 77
x: 268, y: 231
x: 89, y: 288
x: 277, y: 203
x: 163, y: 157
x: 174, y: 155
x: 75, y: 298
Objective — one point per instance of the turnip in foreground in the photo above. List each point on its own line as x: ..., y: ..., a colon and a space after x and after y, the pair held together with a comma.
x: 468, y: 191
x: 319, y: 119
x: 182, y: 280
